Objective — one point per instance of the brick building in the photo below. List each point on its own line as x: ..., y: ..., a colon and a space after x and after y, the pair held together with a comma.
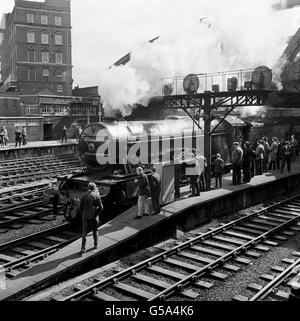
x: 36, y: 65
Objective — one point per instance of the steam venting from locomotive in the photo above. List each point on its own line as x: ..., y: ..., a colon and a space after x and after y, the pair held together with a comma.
x: 208, y: 36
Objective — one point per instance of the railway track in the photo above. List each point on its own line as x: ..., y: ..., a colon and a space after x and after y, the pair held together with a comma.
x: 277, y: 284
x: 22, y: 181
x: 196, y: 263
x: 33, y: 213
x: 18, y: 255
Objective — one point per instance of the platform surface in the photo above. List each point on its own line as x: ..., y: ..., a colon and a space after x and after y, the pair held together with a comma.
x: 124, y: 227
x: 38, y: 144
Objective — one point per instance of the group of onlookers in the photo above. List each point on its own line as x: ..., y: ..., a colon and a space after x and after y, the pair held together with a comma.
x: 20, y: 137
x: 262, y: 157
x: 247, y: 161
x: 146, y: 188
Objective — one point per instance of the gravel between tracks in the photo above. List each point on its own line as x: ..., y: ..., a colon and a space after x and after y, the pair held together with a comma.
x: 28, y: 229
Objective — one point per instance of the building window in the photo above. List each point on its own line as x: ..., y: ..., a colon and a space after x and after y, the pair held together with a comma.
x: 79, y: 111
x: 30, y: 18
x: 31, y: 74
x: 57, y: 21
x: 60, y: 88
x: 59, y: 74
x: 30, y: 37
x: 58, y: 58
x: 58, y: 39
x: 45, y: 57
x: 44, y: 19
x: 31, y: 55
x: 50, y: 110
x: 46, y: 74
x: 45, y: 38
x: 31, y: 110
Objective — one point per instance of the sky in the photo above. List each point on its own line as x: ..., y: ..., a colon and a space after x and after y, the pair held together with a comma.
x: 236, y: 34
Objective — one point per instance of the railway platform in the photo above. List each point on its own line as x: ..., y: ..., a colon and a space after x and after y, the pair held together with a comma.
x: 124, y: 232
x: 38, y: 148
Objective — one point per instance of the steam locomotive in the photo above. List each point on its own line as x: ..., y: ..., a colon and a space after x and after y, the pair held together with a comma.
x: 115, y: 180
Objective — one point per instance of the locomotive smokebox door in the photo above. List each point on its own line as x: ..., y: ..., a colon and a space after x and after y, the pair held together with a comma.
x: 167, y: 174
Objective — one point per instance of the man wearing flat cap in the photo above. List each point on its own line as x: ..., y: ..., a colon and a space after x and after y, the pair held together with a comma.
x: 89, y: 208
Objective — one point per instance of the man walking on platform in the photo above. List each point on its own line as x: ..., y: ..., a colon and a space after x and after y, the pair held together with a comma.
x: 237, y: 157
x: 155, y: 188
x: 89, y: 208
x: 143, y: 193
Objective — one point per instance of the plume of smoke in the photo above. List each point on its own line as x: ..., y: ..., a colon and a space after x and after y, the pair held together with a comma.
x: 237, y: 34
x: 257, y: 111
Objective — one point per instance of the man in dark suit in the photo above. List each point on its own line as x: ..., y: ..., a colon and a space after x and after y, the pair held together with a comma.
x: 89, y: 208
x: 155, y: 190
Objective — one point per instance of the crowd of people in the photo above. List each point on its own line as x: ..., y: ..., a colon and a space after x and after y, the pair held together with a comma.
x: 247, y: 161
x: 20, y: 137
x: 261, y: 157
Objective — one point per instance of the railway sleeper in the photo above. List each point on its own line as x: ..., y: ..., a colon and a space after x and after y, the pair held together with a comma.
x: 163, y: 285
x: 133, y: 291
x: 267, y: 277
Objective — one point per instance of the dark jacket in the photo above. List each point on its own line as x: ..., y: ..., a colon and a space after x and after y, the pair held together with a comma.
x: 143, y: 186
x: 218, y: 165
x: 249, y: 155
x: 89, y: 204
x: 154, y: 181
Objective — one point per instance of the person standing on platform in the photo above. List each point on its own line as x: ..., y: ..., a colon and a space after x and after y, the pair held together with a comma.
x: 155, y: 188
x: 248, y: 157
x: 259, y: 157
x: 2, y: 138
x: 202, y: 165
x: 286, y: 156
x: 143, y: 193
x: 266, y: 145
x: 79, y: 132
x: 273, y: 154
x: 89, y: 208
x: 18, y: 138
x: 24, y: 136
x: 279, y: 154
x: 54, y: 197
x: 218, y: 165
x: 294, y: 147
x: 64, y: 135
x: 237, y: 157
x: 6, y: 139
x: 194, y: 175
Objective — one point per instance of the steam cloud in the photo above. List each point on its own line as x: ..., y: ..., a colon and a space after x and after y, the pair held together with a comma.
x: 236, y: 35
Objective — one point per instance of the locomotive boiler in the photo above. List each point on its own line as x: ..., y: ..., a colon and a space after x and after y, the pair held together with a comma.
x: 113, y: 150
